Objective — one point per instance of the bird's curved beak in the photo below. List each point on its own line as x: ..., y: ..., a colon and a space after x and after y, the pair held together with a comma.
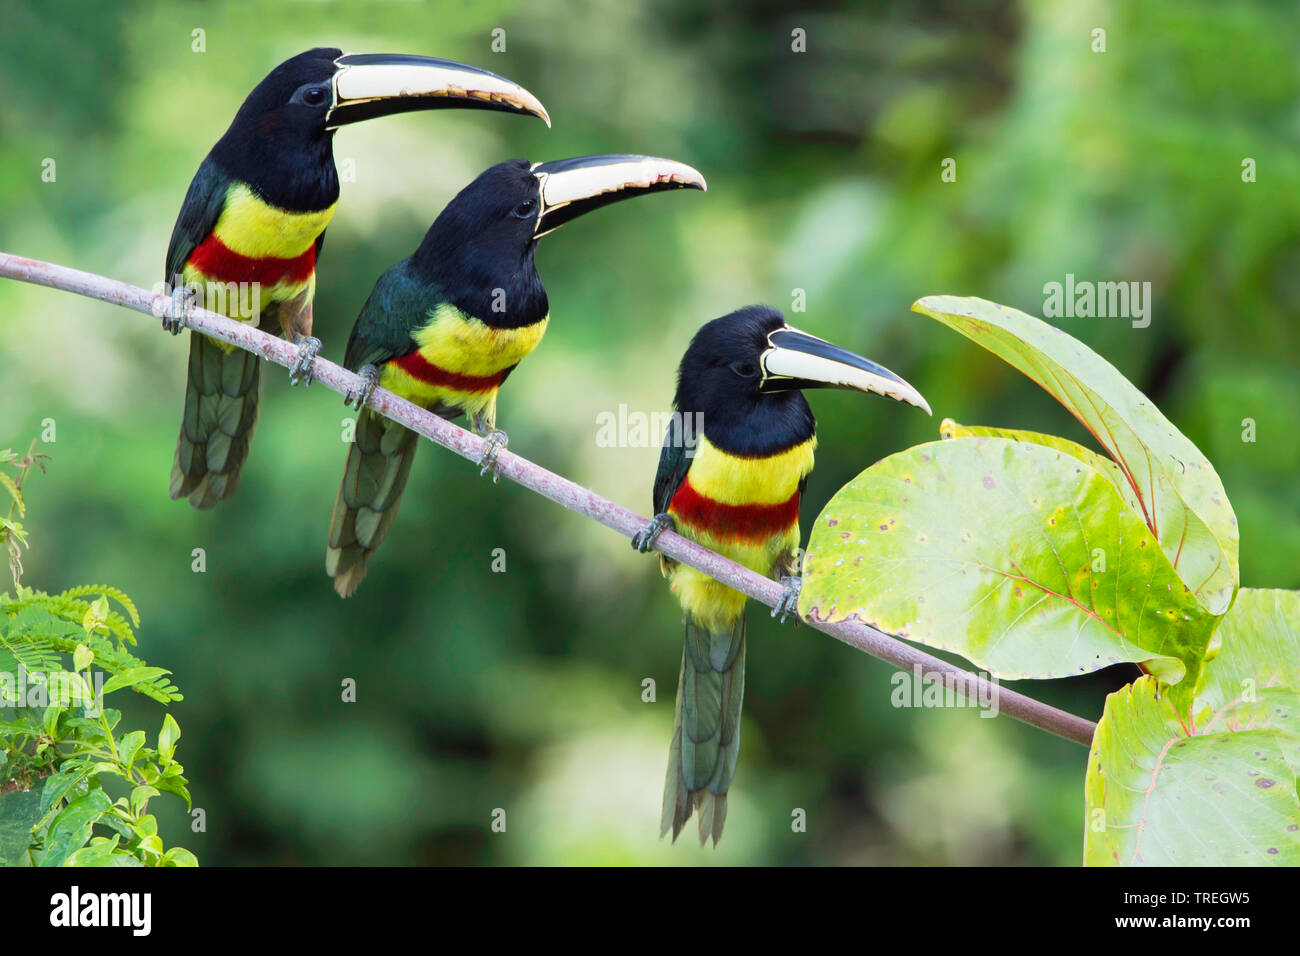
x: 795, y: 359
x: 380, y: 84
x: 572, y: 187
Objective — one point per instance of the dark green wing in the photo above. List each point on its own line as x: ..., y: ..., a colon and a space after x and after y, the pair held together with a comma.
x: 199, y: 212
x: 674, y: 463
x: 398, y: 305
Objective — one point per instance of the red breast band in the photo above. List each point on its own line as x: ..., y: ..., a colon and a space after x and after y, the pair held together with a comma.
x: 418, y: 367
x: 215, y: 260
x: 748, y: 522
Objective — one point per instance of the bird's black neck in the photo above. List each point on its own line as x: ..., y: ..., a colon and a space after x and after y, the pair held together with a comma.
x: 292, y: 172
x: 498, y: 287
x: 754, y: 425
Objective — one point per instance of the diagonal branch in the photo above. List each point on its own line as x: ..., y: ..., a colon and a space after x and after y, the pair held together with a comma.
x: 557, y: 488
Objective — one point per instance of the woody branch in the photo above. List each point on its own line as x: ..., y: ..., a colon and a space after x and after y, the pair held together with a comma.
x: 550, y: 485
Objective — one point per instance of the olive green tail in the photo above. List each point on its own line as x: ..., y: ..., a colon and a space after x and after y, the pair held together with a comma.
x: 379, y: 461
x: 221, y: 397
x: 706, y: 731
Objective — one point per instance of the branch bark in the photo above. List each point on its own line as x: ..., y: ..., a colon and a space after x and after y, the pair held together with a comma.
x: 550, y: 485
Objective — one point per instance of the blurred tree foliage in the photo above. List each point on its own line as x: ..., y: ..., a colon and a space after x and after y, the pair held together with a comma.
x: 522, y: 690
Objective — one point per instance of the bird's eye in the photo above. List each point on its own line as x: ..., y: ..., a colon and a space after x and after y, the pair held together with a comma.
x: 524, y: 209
x: 311, y: 95
x: 744, y: 369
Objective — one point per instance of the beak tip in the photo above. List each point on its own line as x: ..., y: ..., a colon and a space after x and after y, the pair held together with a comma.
x: 522, y: 101
x: 915, y: 398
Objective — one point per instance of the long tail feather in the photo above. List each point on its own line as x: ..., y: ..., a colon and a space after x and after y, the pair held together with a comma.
x: 221, y: 398
x: 379, y: 462
x: 706, y: 730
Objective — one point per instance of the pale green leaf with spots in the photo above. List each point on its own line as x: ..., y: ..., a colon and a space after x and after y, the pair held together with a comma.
x: 951, y: 429
x: 1020, y: 557
x: 1176, y: 489
x: 1221, y: 790
x: 1257, y: 646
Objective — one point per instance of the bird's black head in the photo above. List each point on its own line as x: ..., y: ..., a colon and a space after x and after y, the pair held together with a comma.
x: 721, y: 376
x: 279, y: 142
x: 479, y: 251
x: 745, y: 373
x: 295, y: 97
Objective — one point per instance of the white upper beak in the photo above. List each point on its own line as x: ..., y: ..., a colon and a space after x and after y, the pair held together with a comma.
x: 799, y: 357
x: 372, y: 78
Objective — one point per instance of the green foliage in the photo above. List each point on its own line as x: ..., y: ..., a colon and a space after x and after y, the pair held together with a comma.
x: 12, y: 535
x: 1034, y: 556
x: 1017, y: 556
x: 65, y: 758
x: 1176, y: 490
x: 1221, y: 789
x: 1060, y: 561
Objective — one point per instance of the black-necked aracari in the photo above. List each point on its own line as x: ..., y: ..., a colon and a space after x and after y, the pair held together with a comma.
x: 251, y: 227
x: 446, y: 326
x: 735, y: 461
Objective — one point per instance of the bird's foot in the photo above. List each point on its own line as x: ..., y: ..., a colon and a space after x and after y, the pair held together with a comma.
x: 789, y: 603
x: 369, y: 382
x: 494, y: 441
x: 644, y: 539
x: 303, y: 370
x: 183, y: 299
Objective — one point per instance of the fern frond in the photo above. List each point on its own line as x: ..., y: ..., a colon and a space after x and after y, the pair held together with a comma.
x: 33, y: 654
x: 74, y: 609
x: 114, y: 659
x: 107, y: 591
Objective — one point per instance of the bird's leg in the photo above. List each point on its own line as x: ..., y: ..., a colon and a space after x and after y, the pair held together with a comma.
x: 370, y: 381
x: 644, y: 539
x: 494, y: 440
x: 303, y: 369
x: 183, y: 299
x: 789, y: 603
x: 295, y: 322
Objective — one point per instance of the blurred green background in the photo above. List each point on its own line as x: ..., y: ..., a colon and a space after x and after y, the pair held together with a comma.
x: 522, y: 690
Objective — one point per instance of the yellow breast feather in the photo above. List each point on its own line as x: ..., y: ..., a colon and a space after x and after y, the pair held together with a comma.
x: 253, y: 227
x: 765, y: 480
x: 463, y: 359
x: 465, y: 345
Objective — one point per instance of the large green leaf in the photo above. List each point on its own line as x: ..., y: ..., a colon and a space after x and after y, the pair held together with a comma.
x: 19, y: 811
x: 1177, y: 490
x: 1020, y: 557
x: 1258, y: 647
x: 102, y: 852
x: 1221, y: 790
x: 74, y: 826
